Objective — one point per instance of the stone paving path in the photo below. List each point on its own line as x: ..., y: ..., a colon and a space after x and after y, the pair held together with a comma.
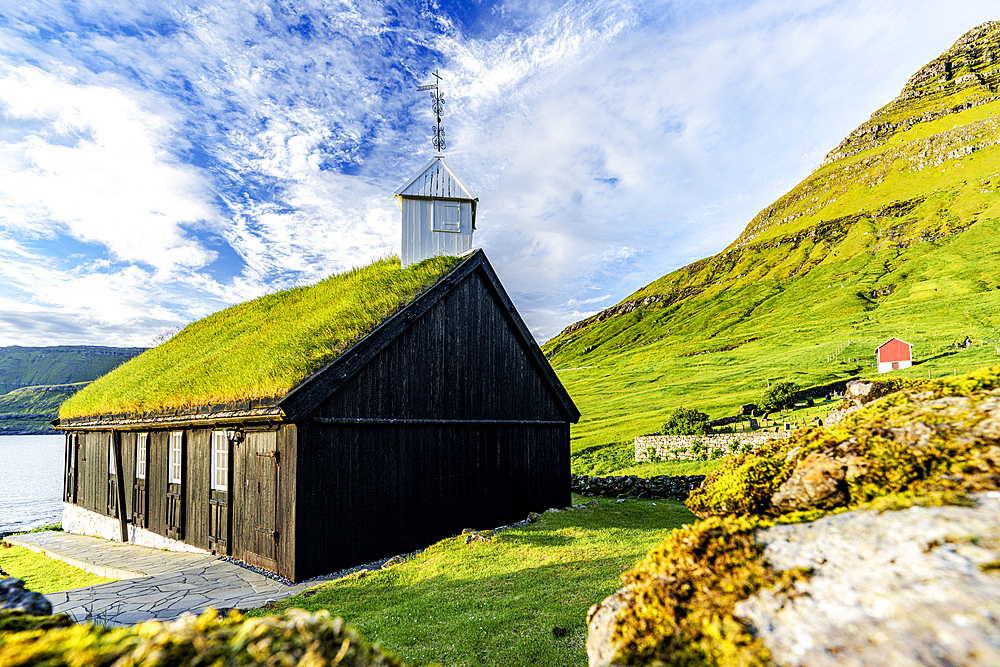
x: 154, y: 584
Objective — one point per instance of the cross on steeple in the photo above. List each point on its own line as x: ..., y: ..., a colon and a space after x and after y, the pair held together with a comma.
x: 437, y: 106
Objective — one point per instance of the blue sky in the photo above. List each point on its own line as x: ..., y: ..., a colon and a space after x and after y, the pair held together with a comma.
x: 162, y: 160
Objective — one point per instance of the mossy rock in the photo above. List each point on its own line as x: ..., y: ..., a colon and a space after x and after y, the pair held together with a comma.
x: 679, y: 600
x: 929, y: 444
x: 938, y: 439
x: 294, y: 638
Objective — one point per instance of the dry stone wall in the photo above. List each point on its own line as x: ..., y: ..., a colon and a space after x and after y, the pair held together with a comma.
x: 685, y: 447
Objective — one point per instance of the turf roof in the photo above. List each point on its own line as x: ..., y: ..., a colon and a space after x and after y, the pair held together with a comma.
x: 260, y: 349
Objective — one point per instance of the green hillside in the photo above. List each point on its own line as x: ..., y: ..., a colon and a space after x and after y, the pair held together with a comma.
x: 59, y: 364
x: 31, y: 410
x: 34, y: 381
x: 897, y: 233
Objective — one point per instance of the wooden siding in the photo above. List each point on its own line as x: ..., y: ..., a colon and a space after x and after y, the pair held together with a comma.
x: 461, y: 360
x: 420, y: 241
x: 367, y: 492
x: 893, y: 349
x: 196, y: 488
x: 437, y: 179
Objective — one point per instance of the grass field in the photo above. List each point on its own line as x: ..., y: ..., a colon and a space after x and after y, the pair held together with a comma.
x: 502, y: 603
x: 43, y: 574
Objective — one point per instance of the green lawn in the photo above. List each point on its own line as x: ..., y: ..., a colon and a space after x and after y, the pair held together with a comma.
x: 503, y: 603
x: 43, y: 574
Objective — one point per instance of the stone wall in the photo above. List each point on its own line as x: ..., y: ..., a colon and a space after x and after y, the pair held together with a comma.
x: 662, y: 486
x: 80, y: 521
x: 680, y: 447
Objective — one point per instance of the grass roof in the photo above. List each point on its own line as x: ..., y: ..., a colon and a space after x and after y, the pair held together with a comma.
x: 260, y: 349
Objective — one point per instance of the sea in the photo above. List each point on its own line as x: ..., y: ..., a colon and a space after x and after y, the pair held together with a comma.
x: 31, y: 471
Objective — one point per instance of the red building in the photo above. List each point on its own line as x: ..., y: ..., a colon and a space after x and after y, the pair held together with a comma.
x: 893, y: 355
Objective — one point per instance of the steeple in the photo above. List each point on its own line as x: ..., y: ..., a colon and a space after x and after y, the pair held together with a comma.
x: 439, y: 213
x: 438, y: 207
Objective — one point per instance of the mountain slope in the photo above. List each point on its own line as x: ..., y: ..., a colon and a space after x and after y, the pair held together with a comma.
x: 896, y: 233
x: 34, y: 381
x: 58, y: 364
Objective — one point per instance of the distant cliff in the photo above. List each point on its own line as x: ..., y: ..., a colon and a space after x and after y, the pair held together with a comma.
x: 34, y: 381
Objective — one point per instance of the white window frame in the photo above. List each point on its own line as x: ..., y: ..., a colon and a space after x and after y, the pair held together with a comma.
x: 176, y: 452
x: 220, y: 461
x: 142, y: 447
x: 111, y: 456
x: 440, y: 223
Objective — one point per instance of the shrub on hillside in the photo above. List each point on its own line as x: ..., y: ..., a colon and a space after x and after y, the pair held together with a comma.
x: 779, y: 396
x: 686, y: 421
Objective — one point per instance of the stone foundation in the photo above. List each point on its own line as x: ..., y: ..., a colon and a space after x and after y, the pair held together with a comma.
x: 679, y: 447
x: 80, y: 521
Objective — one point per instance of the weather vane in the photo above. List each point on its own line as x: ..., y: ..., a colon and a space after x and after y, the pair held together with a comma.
x: 437, y: 105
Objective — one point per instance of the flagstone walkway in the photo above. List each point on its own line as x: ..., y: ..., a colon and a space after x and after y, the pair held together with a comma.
x: 154, y: 584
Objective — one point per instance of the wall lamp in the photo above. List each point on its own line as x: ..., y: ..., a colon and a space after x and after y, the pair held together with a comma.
x: 234, y: 435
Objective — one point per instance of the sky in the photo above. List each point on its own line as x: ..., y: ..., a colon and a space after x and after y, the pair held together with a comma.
x: 160, y: 160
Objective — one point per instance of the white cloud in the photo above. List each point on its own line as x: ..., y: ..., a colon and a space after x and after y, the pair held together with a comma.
x: 584, y: 302
x: 91, y: 164
x: 609, y: 141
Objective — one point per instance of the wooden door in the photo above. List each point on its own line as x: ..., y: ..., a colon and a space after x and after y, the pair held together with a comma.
x: 140, y: 500
x: 176, y: 472
x: 260, y: 499
x: 219, y: 507
x: 72, y: 451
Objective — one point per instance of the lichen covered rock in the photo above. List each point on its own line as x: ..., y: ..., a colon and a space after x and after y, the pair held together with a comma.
x: 294, y: 638
x: 754, y: 584
x: 914, y: 587
x: 915, y: 442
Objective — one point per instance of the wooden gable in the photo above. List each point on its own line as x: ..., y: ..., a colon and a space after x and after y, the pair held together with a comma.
x: 464, y: 336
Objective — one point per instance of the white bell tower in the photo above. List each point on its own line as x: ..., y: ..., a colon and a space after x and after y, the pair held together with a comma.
x: 438, y: 207
x: 439, y: 213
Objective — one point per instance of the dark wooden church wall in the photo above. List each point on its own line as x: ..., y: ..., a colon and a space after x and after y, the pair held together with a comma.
x: 461, y: 360
x: 368, y: 492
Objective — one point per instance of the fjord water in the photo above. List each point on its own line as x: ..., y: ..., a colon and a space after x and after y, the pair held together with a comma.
x: 31, y: 468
